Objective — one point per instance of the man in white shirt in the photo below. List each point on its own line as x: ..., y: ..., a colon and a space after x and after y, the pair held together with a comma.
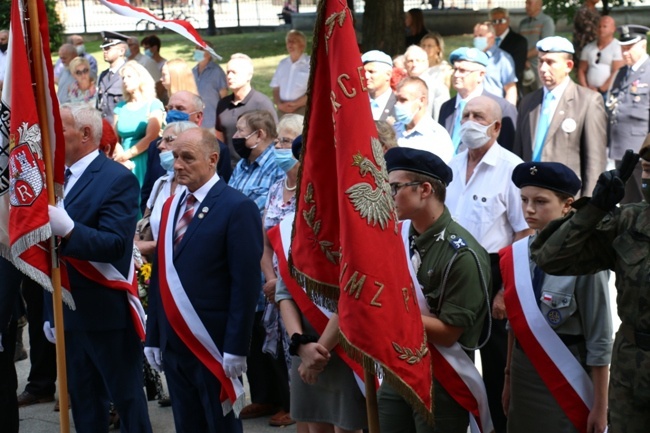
x: 378, y: 68
x: 483, y: 199
x: 417, y: 63
x: 601, y: 59
x: 415, y: 128
x: 289, y: 83
x: 133, y: 53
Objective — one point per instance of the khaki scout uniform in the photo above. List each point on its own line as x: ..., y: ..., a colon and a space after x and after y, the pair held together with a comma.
x: 462, y: 304
x: 589, y: 241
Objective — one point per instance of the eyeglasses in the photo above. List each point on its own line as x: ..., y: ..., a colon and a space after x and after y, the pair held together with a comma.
x: 463, y: 72
x: 169, y: 138
x: 500, y: 21
x: 598, y: 57
x: 395, y: 187
x: 283, y: 141
x: 79, y: 72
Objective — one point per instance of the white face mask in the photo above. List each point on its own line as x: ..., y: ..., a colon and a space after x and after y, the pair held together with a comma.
x: 473, y: 134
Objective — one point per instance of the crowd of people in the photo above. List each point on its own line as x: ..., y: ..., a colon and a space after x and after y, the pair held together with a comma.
x: 510, y: 218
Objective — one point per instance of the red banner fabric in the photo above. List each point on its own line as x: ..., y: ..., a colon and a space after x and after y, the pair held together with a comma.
x: 346, y: 249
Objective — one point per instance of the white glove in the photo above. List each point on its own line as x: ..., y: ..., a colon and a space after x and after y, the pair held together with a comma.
x: 234, y: 365
x: 154, y: 357
x: 60, y: 221
x: 49, y: 332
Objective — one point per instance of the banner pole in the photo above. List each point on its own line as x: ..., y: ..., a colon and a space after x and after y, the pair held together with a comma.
x: 371, y: 401
x: 36, y: 57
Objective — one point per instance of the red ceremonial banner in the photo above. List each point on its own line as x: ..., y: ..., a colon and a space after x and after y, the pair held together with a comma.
x: 24, y: 221
x: 346, y: 248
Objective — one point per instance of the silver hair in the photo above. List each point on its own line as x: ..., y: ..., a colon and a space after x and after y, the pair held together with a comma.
x: 178, y: 127
x: 85, y: 114
x: 291, y: 122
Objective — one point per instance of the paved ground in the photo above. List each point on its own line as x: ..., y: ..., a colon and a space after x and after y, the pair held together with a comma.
x: 41, y: 418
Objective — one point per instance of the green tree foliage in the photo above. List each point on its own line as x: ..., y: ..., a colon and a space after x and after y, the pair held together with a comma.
x: 557, y: 9
x: 56, y: 26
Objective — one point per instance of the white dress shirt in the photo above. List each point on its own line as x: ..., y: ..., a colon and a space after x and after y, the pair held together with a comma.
x: 77, y: 169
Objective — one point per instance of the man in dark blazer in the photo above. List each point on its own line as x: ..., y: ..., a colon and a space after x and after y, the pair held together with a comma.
x: 511, y: 42
x: 103, y: 350
x: 571, y: 118
x: 378, y: 68
x: 469, y: 71
x: 215, y: 265
x: 10, y: 311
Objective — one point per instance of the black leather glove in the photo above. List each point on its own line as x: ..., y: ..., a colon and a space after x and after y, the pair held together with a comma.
x: 610, y: 188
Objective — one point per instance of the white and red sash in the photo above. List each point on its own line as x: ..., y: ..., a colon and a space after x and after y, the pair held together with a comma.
x: 107, y: 275
x: 452, y: 368
x: 317, y: 316
x: 561, y: 372
x: 183, y: 317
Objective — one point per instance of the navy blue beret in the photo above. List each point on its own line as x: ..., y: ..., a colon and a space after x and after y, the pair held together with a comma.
x: 296, y: 147
x: 418, y: 161
x: 549, y: 175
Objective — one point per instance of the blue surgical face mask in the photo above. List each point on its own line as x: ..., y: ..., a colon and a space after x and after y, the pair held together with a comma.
x: 127, y: 53
x: 198, y: 55
x: 176, y: 116
x: 284, y: 158
x: 167, y: 160
x: 480, y: 43
x: 148, y: 53
x: 404, y: 113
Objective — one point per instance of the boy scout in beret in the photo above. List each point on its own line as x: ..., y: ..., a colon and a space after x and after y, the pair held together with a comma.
x: 600, y: 236
x: 454, y: 274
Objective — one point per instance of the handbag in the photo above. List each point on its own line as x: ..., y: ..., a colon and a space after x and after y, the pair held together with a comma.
x: 143, y: 227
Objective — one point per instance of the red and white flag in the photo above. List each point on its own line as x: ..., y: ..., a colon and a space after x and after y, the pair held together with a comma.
x: 24, y: 221
x: 181, y: 27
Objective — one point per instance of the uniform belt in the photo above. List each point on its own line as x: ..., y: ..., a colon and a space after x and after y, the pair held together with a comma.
x: 568, y: 340
x: 638, y: 338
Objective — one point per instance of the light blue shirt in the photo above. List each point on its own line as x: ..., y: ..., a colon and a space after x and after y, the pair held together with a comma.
x: 500, y: 71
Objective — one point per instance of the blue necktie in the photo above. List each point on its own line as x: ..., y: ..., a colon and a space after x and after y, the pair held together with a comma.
x: 67, y: 175
x: 542, y: 127
x: 498, y: 41
x: 455, y: 133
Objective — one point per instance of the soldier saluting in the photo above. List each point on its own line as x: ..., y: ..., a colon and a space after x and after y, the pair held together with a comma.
x: 109, y: 85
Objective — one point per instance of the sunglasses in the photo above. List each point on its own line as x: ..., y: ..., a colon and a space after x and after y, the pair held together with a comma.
x: 81, y: 71
x: 598, y: 57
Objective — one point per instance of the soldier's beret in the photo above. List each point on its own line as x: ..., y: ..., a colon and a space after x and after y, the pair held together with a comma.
x: 296, y: 147
x: 632, y: 33
x: 112, y: 38
x: 418, y: 161
x: 549, y: 175
x: 376, y: 56
x: 468, y: 54
x: 555, y: 44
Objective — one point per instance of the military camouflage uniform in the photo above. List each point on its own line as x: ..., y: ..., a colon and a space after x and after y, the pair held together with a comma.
x: 591, y: 240
x: 463, y: 305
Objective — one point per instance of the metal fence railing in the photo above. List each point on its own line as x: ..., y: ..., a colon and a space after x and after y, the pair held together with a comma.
x: 90, y: 16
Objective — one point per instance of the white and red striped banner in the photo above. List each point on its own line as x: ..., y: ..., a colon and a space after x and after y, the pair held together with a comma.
x: 184, y: 319
x: 565, y: 378
x: 181, y: 27
x: 107, y: 275
x: 452, y: 368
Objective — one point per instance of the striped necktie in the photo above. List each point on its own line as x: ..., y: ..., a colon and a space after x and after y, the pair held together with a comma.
x: 185, y: 220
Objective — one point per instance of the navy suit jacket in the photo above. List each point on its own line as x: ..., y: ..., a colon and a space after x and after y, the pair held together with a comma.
x: 103, y: 203
x: 509, y: 118
x: 517, y: 46
x: 218, y: 263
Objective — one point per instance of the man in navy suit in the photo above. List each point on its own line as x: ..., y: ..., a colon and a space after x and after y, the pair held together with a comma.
x: 103, y: 350
x: 469, y: 72
x: 209, y: 251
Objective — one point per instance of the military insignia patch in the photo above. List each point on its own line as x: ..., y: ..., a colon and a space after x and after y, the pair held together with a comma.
x: 554, y: 317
